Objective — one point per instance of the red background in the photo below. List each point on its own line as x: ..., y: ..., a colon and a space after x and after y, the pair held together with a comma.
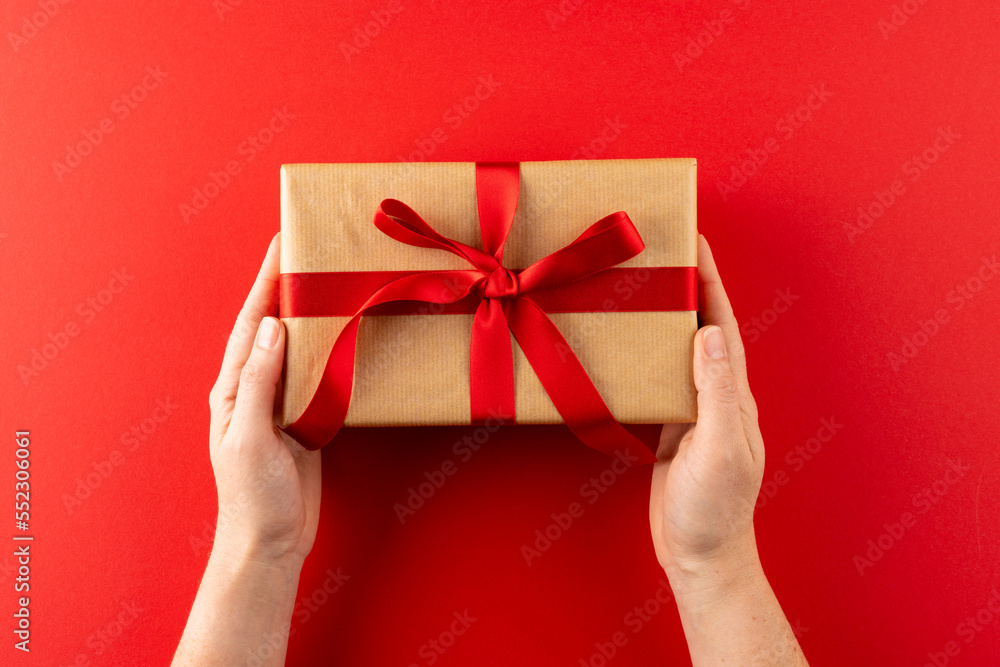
x: 137, y: 538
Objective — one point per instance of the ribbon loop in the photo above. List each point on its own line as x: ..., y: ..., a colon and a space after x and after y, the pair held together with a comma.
x: 400, y: 222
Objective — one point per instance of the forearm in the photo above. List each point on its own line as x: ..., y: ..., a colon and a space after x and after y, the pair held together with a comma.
x: 243, y: 610
x: 731, y: 616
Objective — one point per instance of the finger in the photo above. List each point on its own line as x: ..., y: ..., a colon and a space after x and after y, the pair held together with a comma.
x: 261, y: 301
x: 670, y: 439
x: 719, y: 416
x: 254, y: 409
x: 717, y: 310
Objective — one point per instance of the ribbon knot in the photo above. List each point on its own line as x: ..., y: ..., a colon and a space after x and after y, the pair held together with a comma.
x: 501, y: 284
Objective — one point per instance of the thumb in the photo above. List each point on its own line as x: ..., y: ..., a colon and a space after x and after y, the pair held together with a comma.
x: 718, y: 393
x: 254, y: 409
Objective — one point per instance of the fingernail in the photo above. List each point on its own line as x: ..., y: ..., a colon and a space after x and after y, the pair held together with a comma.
x: 267, y: 334
x: 715, y: 345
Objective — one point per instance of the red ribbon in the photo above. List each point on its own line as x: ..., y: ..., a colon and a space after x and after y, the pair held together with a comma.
x: 506, y: 302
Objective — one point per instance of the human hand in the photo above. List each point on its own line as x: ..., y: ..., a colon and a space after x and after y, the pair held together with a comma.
x: 269, y: 488
x: 706, y: 481
x: 268, y: 484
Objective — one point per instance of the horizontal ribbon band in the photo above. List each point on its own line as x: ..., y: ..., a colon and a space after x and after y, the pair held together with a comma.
x: 646, y: 289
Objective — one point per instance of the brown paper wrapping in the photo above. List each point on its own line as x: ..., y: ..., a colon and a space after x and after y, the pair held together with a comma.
x: 414, y: 369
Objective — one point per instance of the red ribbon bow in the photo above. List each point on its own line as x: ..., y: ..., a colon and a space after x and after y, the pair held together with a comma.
x: 505, y: 306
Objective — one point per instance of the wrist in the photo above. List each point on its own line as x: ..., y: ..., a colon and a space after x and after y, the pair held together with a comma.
x: 714, y: 578
x: 239, y: 554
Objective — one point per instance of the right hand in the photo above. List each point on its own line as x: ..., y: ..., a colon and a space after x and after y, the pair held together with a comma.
x: 706, y: 481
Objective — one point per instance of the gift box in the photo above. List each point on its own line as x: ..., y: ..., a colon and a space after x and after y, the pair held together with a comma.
x: 457, y: 293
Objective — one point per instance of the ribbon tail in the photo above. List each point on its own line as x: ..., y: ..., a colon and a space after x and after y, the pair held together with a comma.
x: 325, y: 414
x: 567, y: 383
x: 491, y: 365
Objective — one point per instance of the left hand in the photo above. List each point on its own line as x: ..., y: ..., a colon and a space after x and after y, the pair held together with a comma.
x: 268, y: 484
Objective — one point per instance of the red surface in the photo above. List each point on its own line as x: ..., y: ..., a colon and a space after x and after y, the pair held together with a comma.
x: 552, y: 92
